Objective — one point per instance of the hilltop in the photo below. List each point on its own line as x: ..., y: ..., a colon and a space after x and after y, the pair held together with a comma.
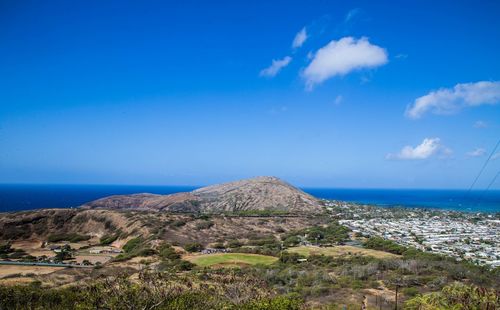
x: 268, y: 194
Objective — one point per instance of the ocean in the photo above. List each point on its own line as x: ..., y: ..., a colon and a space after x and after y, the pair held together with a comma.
x: 29, y: 197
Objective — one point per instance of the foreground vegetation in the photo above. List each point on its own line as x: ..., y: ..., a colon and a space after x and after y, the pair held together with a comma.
x: 150, y: 291
x: 292, y: 264
x: 233, y: 290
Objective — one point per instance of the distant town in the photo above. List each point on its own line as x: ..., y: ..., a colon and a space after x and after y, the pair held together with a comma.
x: 466, y: 236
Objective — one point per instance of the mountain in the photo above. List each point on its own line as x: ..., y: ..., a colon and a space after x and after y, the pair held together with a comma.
x: 256, y: 194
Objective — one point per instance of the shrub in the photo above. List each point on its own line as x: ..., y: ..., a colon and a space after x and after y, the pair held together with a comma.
x: 378, y: 243
x: 17, y: 254
x: 290, y: 258
x: 71, y: 237
x: 280, y: 230
x: 5, y: 248
x: 234, y: 244
x: 204, y: 225
x: 132, y: 244
x: 168, y: 252
x: 145, y: 252
x: 108, y: 239
x: 184, y: 265
x: 193, y: 247
x: 178, y: 223
x: 219, y: 245
x: 291, y: 241
x: 410, y: 291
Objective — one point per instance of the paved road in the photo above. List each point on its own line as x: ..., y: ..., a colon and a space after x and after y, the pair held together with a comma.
x: 3, y: 262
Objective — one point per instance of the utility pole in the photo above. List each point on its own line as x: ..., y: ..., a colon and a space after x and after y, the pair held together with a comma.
x: 397, y: 288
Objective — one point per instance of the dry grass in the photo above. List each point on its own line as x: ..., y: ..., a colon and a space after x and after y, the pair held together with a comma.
x: 340, y: 251
x: 93, y: 258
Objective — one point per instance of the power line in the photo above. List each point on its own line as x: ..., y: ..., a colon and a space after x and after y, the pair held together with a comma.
x: 484, y: 166
x: 491, y: 183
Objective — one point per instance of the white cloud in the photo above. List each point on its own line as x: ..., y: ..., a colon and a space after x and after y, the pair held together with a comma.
x: 480, y: 124
x: 341, y: 57
x: 276, y: 67
x: 300, y: 38
x: 450, y: 100
x: 476, y: 152
x: 428, y: 147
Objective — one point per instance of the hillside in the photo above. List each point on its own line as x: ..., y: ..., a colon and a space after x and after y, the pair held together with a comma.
x: 256, y: 194
x: 39, y: 224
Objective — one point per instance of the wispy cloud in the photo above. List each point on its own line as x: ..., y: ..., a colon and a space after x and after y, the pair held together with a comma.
x: 338, y: 100
x: 426, y: 149
x: 351, y: 14
x: 278, y: 110
x: 480, y: 124
x: 276, y: 67
x: 340, y: 57
x: 495, y: 156
x: 300, y: 38
x: 478, y: 152
x: 451, y: 100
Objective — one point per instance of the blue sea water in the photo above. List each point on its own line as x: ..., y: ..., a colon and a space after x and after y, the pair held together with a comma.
x: 28, y: 197
x: 457, y: 200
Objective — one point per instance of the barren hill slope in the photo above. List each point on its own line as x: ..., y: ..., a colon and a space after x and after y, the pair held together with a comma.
x: 256, y: 194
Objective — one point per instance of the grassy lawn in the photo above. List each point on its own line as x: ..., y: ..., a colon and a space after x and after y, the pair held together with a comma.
x: 339, y: 251
x: 231, y: 259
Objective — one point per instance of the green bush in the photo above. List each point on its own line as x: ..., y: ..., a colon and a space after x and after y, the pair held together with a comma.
x: 17, y: 254
x: 178, y: 223
x: 381, y: 244
x: 132, y: 244
x: 334, y: 233
x: 234, y: 244
x: 291, y: 241
x: 290, y: 258
x: 108, y: 239
x: 193, y: 247
x: 145, y: 252
x: 204, y: 225
x: 168, y: 252
x: 184, y: 265
x: 71, y: 237
x: 5, y: 249
x: 410, y: 291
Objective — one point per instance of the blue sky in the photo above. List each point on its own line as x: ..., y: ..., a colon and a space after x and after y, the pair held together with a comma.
x: 358, y: 94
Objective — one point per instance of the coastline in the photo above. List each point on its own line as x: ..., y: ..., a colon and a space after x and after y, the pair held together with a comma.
x: 32, y: 197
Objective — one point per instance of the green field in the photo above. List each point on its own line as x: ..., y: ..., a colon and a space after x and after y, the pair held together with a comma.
x: 339, y: 251
x: 230, y: 259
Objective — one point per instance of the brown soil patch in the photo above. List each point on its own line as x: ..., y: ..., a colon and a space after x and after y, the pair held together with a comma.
x: 9, y: 270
